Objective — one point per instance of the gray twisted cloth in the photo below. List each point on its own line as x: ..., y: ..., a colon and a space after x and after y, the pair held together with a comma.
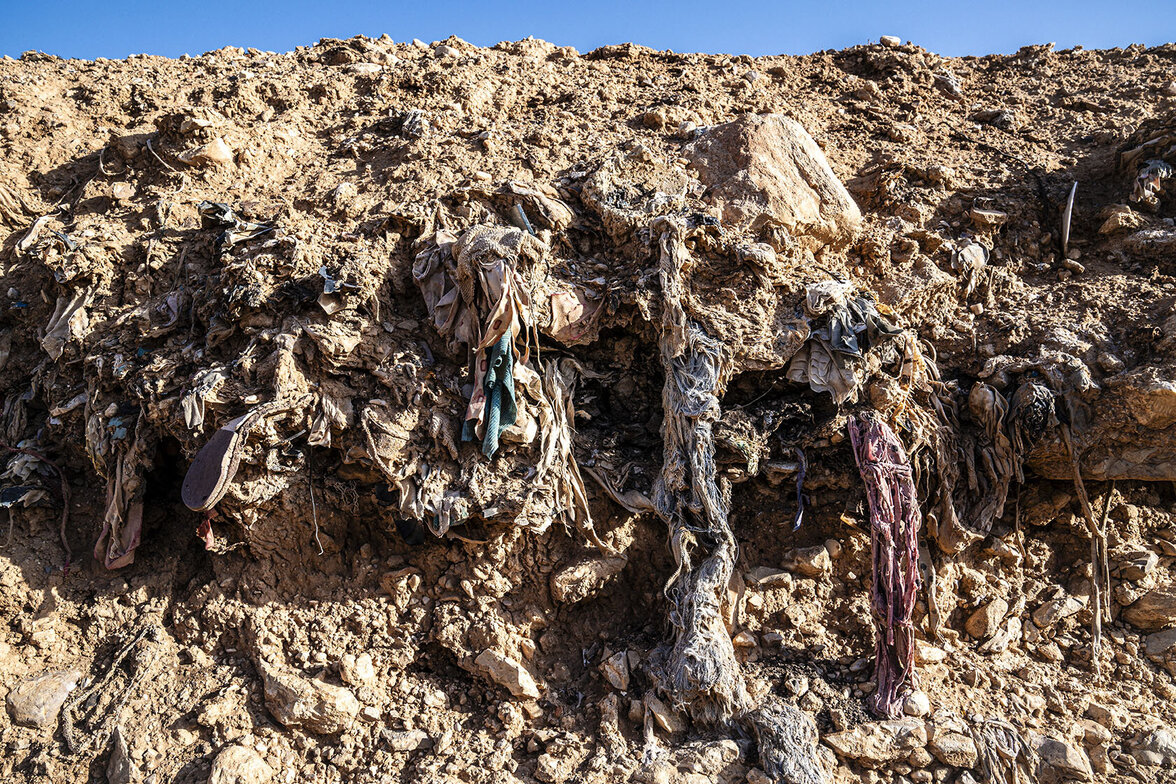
x: 894, y: 535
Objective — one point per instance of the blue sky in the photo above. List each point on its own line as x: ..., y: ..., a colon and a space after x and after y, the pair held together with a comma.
x: 116, y: 28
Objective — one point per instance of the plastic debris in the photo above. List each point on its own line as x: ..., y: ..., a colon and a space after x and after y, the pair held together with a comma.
x: 236, y: 229
x: 1149, y: 181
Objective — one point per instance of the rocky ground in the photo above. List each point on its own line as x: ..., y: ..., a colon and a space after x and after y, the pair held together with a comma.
x: 185, y: 241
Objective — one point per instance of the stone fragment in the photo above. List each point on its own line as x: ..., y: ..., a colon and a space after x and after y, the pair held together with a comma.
x: 1138, y: 565
x: 1055, y: 610
x: 985, y: 622
x: 122, y: 191
x: 1160, y: 643
x: 406, y: 740
x: 917, y: 704
x: 302, y: 703
x: 616, y: 670
x: 584, y: 578
x: 119, y: 767
x: 954, y: 749
x: 765, y: 170
x: 879, y: 743
x: 1112, y: 717
x: 1121, y: 218
x: 769, y: 577
x: 216, y: 153
x: 1157, y: 749
x: 1060, y: 760
x: 508, y: 673
x: 809, y: 561
x: 1093, y: 733
x: 988, y: 219
x: 357, y: 670
x: 890, y: 41
x: 665, y: 718
x: 926, y: 653
x: 36, y: 702
x: 1155, y: 610
x: 554, y: 769
x: 239, y: 765
x: 743, y: 639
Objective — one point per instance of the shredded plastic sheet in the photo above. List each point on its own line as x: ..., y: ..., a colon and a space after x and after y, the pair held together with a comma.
x: 988, y: 460
x: 1031, y: 416
x: 501, y: 411
x: 122, y: 520
x: 235, y: 228
x: 69, y: 321
x: 787, y: 738
x: 557, y: 460
x: 699, y: 671
x: 1004, y: 756
x: 1149, y: 181
x: 894, y: 531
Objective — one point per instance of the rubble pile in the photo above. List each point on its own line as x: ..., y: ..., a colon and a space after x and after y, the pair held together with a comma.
x: 402, y: 410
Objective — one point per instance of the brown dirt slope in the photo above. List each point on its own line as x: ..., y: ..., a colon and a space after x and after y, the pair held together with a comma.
x: 184, y: 242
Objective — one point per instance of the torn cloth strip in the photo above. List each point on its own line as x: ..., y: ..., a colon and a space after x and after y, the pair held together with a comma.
x: 498, y: 391
x: 894, y: 530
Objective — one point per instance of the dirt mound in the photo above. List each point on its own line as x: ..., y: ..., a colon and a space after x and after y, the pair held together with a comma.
x: 455, y: 414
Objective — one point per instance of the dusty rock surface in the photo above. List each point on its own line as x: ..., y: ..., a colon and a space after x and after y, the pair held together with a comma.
x: 186, y: 242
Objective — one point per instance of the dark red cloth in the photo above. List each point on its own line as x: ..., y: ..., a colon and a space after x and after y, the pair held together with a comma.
x: 894, y: 544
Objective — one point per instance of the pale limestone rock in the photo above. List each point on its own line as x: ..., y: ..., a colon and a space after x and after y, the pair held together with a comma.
x: 307, y: 704
x: 216, y: 153
x: 1155, y: 610
x: 582, y: 579
x: 985, y: 622
x: 879, y: 743
x: 765, y: 170
x: 508, y: 673
x: 239, y: 765
x: 36, y: 702
x: 1060, y: 760
x: 954, y: 749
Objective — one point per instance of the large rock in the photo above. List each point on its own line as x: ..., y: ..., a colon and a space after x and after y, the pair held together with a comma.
x: 1060, y: 761
x: 1160, y: 643
x: 1157, y: 749
x: 308, y: 704
x: 239, y: 765
x: 985, y: 622
x: 765, y: 170
x: 36, y: 702
x: 580, y: 580
x: 1155, y: 610
x: 954, y: 749
x: 879, y: 743
x: 509, y: 673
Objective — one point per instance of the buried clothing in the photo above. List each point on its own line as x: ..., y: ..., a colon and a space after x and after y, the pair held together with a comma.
x: 894, y: 529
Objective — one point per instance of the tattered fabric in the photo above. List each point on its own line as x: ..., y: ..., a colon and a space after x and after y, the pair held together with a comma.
x: 894, y: 530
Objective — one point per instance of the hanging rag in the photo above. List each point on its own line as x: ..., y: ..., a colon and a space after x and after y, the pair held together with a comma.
x: 894, y: 531
x: 698, y: 669
x: 830, y: 359
x: 497, y: 398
